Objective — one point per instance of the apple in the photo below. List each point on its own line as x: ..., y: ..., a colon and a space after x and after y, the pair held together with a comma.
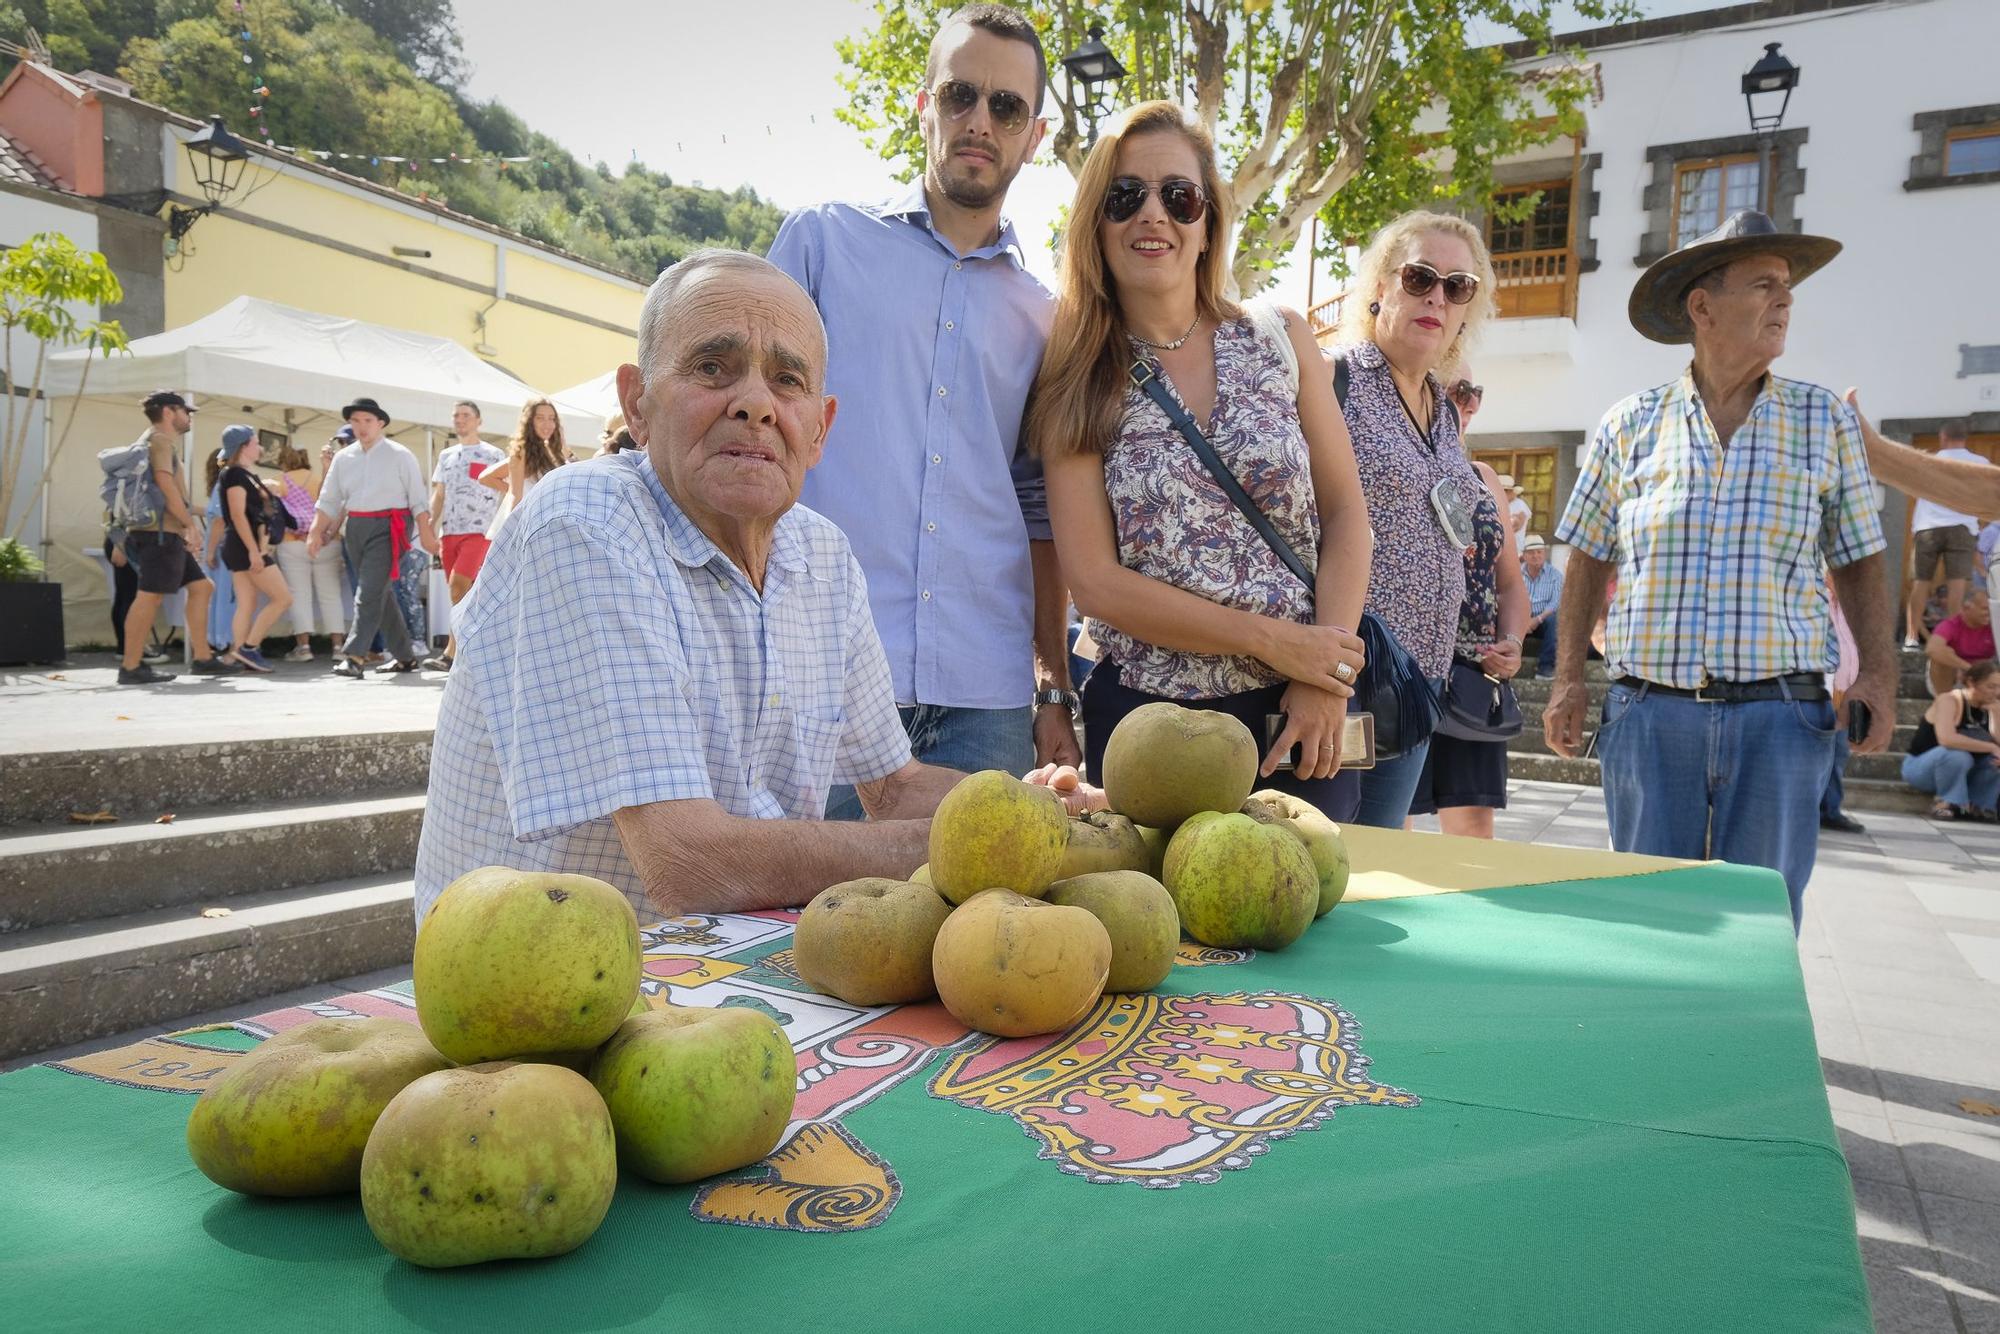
x: 694, y: 1092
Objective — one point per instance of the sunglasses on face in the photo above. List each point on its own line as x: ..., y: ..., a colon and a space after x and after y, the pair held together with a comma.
x: 1464, y: 392
x: 1419, y: 279
x: 1010, y: 111
x: 1184, y: 201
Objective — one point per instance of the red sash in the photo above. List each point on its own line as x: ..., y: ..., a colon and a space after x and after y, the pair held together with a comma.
x: 399, y: 533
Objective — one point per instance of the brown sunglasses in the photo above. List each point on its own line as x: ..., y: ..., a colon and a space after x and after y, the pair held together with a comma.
x: 1419, y: 279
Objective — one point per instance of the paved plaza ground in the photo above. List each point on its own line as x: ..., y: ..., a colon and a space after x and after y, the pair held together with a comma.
x: 1900, y: 954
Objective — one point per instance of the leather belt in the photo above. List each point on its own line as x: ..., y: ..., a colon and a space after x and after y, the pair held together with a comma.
x: 1809, y: 686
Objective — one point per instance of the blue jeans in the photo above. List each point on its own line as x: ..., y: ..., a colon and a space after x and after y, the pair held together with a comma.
x: 963, y: 739
x: 1733, y: 782
x: 1957, y: 776
x: 1388, y: 789
x: 1545, y: 657
x: 1836, y: 787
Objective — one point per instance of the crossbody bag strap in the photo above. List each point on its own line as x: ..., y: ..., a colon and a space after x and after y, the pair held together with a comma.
x: 1143, y: 376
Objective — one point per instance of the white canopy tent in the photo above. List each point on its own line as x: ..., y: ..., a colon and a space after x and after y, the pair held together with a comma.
x: 597, y: 395
x: 253, y: 351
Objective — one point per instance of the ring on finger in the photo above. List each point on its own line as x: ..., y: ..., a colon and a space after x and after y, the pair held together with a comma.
x: 1342, y: 672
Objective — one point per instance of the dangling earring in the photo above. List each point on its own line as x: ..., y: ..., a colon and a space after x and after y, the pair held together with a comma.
x: 1374, y: 307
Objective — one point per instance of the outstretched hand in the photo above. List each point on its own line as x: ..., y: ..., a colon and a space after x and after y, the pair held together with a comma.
x: 1079, y: 797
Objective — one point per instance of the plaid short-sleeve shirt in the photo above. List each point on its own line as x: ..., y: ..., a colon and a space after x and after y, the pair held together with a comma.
x: 1722, y: 551
x: 611, y: 656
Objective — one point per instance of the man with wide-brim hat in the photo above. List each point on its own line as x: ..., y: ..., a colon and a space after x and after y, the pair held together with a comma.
x: 377, y: 488
x: 1719, y: 500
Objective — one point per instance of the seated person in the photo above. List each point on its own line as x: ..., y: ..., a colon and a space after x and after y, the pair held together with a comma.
x: 1959, y: 641
x: 1953, y: 753
x: 666, y: 662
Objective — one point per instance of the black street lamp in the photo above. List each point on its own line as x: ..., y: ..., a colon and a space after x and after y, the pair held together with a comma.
x: 1767, y: 91
x: 217, y: 157
x: 1091, y: 67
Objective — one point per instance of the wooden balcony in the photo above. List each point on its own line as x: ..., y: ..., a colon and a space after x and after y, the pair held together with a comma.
x: 1532, y: 283
x: 1324, y: 318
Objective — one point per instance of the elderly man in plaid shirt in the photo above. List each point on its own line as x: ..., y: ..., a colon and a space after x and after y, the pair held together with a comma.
x: 666, y: 662
x: 1719, y: 499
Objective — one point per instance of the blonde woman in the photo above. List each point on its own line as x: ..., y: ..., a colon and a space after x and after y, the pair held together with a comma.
x: 536, y: 450
x: 1420, y: 295
x: 318, y: 600
x: 1187, y: 602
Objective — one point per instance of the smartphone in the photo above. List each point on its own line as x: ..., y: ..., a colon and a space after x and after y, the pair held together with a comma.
x: 1357, y: 741
x: 1859, y: 720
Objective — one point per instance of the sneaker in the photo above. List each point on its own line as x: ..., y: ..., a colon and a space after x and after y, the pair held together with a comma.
x: 351, y: 669
x: 251, y: 659
x: 1842, y: 822
x: 438, y: 664
x: 398, y: 666
x: 300, y: 653
x: 216, y: 666
x: 154, y: 656
x: 142, y: 675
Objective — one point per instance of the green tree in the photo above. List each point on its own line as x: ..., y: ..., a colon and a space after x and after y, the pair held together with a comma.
x: 424, y: 33
x: 42, y: 280
x: 1316, y: 105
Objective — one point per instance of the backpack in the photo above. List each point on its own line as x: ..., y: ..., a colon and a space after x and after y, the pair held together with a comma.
x: 132, y: 498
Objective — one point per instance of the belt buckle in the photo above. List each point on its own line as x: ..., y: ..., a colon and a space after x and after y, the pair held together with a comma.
x: 1700, y: 692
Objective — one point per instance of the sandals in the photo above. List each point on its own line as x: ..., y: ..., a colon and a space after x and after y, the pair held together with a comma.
x: 1944, y: 810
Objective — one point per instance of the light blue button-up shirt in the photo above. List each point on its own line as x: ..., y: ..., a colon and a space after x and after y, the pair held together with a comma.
x: 610, y: 656
x: 1545, y: 590
x: 931, y: 355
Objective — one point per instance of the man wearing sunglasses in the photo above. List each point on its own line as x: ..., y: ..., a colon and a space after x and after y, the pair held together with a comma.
x: 1718, y: 499
x: 936, y: 330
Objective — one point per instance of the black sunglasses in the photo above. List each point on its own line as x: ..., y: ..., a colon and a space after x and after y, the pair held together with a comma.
x: 1010, y: 111
x: 1419, y: 278
x: 1184, y: 201
x: 1465, y: 391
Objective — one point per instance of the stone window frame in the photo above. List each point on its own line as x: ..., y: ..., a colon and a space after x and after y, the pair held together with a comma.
x: 1788, y: 182
x: 1933, y: 128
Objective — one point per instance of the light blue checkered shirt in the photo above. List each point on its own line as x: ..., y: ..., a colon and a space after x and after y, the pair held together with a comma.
x: 610, y: 656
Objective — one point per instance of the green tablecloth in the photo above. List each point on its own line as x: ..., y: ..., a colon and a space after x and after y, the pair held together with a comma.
x: 1592, y: 1104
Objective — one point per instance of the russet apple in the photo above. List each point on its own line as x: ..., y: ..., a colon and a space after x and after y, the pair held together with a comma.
x: 694, y: 1092
x: 1015, y: 966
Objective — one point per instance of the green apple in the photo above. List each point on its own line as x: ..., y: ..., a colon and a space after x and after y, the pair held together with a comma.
x: 1139, y: 916
x: 993, y: 831
x: 1320, y: 835
x: 500, y: 1161
x: 694, y: 1092
x: 1102, y: 841
x: 525, y: 964
x: 292, y: 1117
x: 1238, y: 883
x: 869, y: 941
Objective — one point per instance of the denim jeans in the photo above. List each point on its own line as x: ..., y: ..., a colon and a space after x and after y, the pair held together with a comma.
x: 964, y: 739
x: 1733, y: 782
x: 1545, y: 657
x: 1957, y: 776
x: 1835, y: 793
x: 1388, y: 789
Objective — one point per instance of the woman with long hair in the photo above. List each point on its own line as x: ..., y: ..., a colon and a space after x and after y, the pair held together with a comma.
x: 1184, y: 598
x: 221, y: 627
x: 1953, y: 755
x: 536, y: 450
x: 1422, y: 291
x: 314, y: 581
x: 246, y: 548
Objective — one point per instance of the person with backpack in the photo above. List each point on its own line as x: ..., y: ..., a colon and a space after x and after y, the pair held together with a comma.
x: 148, y: 498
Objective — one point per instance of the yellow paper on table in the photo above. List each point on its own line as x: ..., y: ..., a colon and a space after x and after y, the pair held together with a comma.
x: 1397, y: 864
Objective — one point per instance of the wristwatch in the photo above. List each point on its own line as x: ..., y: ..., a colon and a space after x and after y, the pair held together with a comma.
x: 1067, y: 698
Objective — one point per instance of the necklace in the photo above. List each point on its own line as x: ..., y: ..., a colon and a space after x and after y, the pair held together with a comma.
x: 1168, y: 347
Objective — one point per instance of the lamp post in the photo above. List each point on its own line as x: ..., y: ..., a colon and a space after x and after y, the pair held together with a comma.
x: 217, y: 157
x: 1091, y: 67
x: 1767, y: 91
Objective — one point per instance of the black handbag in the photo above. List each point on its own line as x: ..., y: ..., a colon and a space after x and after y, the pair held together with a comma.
x: 1478, y: 707
x: 1391, y: 686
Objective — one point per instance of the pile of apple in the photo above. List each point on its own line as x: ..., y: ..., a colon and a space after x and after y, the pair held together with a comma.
x: 497, y: 1131
x: 1024, y: 917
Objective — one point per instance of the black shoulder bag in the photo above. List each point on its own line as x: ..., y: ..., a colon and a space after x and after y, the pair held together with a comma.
x: 1391, y: 685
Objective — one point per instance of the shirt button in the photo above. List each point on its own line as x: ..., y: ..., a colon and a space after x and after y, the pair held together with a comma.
x: 940, y: 391
x: 956, y: 266
x: 930, y: 528
x: 773, y: 701
x: 937, y: 458
x: 927, y: 595
x: 949, y: 325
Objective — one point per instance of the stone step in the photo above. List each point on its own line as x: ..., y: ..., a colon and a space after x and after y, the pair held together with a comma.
x: 68, y: 984
x: 74, y: 873
x: 1887, y: 766
x: 143, y: 781
x: 1534, y: 696
x: 1862, y: 794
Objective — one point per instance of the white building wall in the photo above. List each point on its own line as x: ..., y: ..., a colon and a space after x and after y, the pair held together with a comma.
x: 1921, y: 270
